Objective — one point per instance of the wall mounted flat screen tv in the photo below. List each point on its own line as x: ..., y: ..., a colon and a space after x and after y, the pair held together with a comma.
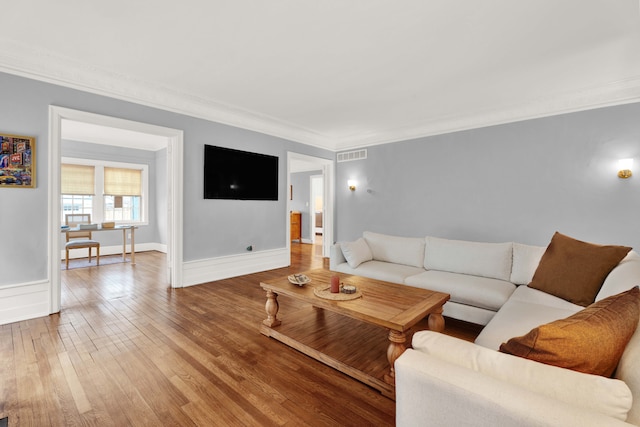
x: 239, y: 175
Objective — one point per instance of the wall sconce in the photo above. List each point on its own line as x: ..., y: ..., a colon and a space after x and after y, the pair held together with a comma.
x: 624, y: 168
x: 352, y: 184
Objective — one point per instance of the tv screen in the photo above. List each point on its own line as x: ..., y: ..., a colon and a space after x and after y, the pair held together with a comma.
x: 239, y: 175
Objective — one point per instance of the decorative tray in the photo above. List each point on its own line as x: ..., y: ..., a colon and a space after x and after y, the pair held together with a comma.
x: 299, y: 279
x: 338, y: 296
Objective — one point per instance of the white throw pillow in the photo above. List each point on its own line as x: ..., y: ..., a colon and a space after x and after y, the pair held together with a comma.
x: 491, y: 260
x: 525, y: 262
x: 356, y: 252
x: 605, y: 395
x: 395, y: 249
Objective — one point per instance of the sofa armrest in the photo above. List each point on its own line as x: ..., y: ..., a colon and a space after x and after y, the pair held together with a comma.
x: 434, y: 392
x: 592, y: 392
x: 336, y: 257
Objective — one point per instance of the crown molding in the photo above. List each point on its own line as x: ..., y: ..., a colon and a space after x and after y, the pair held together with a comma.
x: 618, y: 93
x: 25, y: 61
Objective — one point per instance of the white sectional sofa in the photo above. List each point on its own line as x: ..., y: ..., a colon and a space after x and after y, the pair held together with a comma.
x: 480, y: 277
x: 444, y: 381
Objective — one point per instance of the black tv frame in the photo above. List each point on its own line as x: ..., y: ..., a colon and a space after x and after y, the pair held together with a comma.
x: 231, y: 174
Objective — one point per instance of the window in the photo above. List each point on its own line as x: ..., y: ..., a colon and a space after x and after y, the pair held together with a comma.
x: 109, y: 191
x: 122, y: 192
x: 77, y: 183
x: 122, y: 208
x: 76, y: 204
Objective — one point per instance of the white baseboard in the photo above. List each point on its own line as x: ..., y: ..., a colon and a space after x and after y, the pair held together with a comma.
x: 24, y: 301
x: 115, y: 250
x: 209, y: 270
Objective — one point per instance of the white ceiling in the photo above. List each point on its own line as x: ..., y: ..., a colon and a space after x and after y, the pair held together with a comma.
x: 333, y: 73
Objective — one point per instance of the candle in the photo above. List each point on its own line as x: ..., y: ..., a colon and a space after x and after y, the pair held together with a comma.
x: 349, y: 289
x: 335, y: 284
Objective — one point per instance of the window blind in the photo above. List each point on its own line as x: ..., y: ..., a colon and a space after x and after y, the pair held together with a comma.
x: 122, y: 182
x: 77, y: 179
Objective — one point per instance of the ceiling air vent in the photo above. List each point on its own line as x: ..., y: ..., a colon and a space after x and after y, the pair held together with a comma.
x: 349, y: 156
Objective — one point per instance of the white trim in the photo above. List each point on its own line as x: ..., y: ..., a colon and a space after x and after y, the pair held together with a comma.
x: 312, y: 209
x: 209, y: 270
x: 329, y: 211
x: 608, y: 95
x: 175, y: 173
x: 24, y: 301
x: 53, y: 188
x: 115, y: 250
x: 24, y: 60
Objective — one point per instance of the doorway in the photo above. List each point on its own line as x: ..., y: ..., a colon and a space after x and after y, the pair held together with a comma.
x: 296, y: 163
x: 58, y: 116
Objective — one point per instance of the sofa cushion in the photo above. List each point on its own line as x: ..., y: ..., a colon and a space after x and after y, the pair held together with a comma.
x: 525, y: 262
x: 590, y: 341
x: 356, y: 252
x: 623, y: 277
x: 398, y: 250
x: 526, y: 309
x: 468, y: 313
x: 491, y: 260
x: 380, y: 270
x: 471, y: 290
x: 575, y: 270
x: 593, y: 392
x: 534, y: 296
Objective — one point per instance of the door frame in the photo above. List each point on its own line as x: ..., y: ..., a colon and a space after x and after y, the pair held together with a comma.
x: 312, y: 211
x: 175, y: 176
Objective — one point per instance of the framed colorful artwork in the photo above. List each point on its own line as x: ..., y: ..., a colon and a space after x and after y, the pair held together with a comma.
x: 17, y: 161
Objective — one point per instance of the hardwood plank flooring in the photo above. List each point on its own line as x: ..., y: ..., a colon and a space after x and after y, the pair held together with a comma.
x: 127, y: 350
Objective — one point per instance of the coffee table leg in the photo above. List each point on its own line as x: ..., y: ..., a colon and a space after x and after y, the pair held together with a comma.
x: 396, y: 348
x: 272, y: 309
x: 436, y: 321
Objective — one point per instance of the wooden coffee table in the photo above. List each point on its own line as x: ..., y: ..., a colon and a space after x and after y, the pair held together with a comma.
x: 346, y: 334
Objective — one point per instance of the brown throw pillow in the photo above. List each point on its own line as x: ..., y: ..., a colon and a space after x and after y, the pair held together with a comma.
x: 590, y: 341
x: 574, y: 270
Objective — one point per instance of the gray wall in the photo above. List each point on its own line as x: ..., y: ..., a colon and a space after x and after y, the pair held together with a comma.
x: 301, y: 182
x: 147, y: 233
x: 520, y: 181
x: 514, y: 182
x: 212, y: 228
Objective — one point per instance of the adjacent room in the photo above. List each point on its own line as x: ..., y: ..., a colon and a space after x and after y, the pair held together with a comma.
x: 320, y: 213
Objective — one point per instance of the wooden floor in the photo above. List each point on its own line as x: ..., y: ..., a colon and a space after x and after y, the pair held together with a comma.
x: 127, y: 350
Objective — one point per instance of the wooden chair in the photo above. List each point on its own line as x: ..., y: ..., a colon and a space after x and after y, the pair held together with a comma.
x: 80, y: 239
